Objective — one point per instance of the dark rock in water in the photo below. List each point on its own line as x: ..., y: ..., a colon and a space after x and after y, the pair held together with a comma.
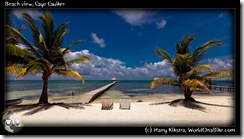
x: 139, y: 101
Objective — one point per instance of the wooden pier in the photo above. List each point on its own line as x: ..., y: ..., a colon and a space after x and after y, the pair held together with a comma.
x: 89, y: 97
x: 215, y: 87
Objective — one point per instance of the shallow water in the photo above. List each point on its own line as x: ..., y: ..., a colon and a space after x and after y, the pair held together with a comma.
x: 31, y: 89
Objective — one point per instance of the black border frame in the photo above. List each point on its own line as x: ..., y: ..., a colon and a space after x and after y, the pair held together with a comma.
x: 174, y: 4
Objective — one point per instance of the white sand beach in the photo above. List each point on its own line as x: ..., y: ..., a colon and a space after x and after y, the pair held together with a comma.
x: 140, y: 114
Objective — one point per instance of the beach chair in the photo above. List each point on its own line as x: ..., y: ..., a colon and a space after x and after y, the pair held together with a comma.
x: 125, y: 103
x: 107, y: 103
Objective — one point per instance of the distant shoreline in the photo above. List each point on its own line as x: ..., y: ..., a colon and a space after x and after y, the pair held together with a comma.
x: 30, y: 90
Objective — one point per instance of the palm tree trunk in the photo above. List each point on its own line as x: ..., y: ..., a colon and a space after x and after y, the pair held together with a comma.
x: 44, y: 97
x: 187, y: 94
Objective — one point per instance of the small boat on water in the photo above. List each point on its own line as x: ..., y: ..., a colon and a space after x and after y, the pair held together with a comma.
x: 13, y: 101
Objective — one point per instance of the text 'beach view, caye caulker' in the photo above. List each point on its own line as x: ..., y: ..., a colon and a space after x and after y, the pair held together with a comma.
x: 115, y: 67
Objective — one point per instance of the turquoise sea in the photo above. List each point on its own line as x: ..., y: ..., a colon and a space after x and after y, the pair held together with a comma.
x: 31, y: 89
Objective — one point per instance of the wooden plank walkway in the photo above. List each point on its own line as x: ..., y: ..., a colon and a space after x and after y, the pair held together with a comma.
x: 89, y: 97
x: 229, y: 88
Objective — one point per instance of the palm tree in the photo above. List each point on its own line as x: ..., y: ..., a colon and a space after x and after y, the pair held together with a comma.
x: 45, y: 57
x: 186, y: 67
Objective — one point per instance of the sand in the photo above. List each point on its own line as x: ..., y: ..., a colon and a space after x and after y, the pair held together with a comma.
x: 140, y: 114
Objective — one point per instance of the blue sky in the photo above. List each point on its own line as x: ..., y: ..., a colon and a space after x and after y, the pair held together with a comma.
x: 122, y: 43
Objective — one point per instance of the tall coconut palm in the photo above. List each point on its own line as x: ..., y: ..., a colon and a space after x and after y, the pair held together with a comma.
x: 45, y: 56
x: 186, y: 67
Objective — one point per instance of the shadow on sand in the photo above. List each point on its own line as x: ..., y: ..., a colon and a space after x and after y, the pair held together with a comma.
x: 197, y: 105
x: 34, y: 108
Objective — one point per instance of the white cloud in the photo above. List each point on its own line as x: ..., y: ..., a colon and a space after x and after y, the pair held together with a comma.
x: 106, y: 68
x: 161, y: 24
x: 35, y: 14
x: 97, y: 40
x: 136, y: 17
x: 221, y: 63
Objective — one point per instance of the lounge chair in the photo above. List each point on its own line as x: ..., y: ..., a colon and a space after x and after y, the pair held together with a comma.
x: 107, y: 103
x: 125, y: 103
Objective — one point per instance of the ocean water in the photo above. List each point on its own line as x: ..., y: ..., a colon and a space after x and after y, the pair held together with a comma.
x: 31, y: 89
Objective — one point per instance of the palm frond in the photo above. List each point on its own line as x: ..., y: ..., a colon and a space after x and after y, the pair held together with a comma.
x: 21, y: 74
x: 198, y: 69
x: 16, y: 55
x: 78, y: 60
x: 198, y: 53
x: 10, y: 22
x: 58, y: 36
x: 186, y: 40
x: 59, y: 62
x: 14, y: 69
x: 44, y: 64
x: 37, y: 36
x: 17, y: 33
x: 48, y: 26
x: 164, y: 55
x: 71, y: 45
x: 69, y: 73
x: 183, y: 58
x: 158, y: 81
x: 32, y: 68
x: 34, y: 28
x: 182, y: 63
x: 9, y: 34
x: 12, y: 39
x: 178, y: 48
x: 14, y: 50
x: 220, y: 74
x: 194, y: 83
